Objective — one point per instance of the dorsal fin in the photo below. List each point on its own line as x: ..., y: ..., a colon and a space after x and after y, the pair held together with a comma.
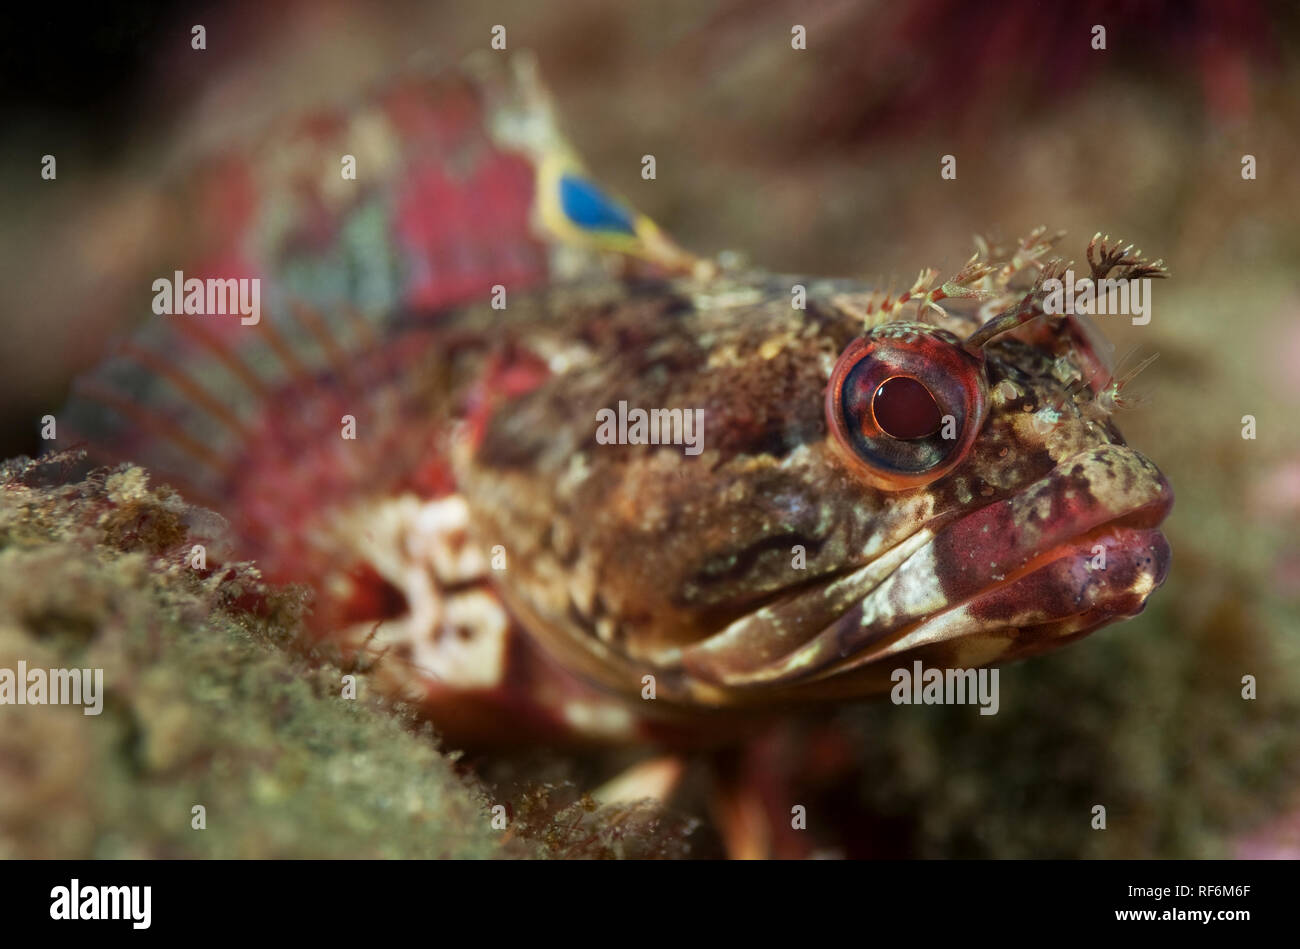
x: 444, y: 206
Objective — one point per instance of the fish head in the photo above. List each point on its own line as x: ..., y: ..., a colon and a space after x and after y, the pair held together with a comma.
x: 867, y: 491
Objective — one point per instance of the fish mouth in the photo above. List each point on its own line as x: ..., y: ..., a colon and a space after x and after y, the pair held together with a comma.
x: 1068, y: 553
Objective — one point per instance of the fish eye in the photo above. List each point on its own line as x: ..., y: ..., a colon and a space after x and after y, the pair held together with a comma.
x: 905, y: 403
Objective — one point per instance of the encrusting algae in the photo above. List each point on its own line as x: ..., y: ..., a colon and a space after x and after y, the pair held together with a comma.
x: 208, y: 705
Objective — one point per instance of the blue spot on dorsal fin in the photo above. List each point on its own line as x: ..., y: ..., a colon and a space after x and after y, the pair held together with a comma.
x: 590, y: 208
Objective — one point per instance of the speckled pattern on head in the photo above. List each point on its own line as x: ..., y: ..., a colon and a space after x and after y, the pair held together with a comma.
x: 629, y: 559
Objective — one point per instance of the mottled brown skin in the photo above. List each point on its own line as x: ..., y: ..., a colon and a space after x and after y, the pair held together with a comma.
x: 625, y: 559
x: 772, y: 568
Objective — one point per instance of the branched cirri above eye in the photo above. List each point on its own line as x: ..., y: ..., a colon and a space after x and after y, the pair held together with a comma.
x: 905, y: 403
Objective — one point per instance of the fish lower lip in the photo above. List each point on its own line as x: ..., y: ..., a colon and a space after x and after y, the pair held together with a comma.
x: 1074, y: 550
x: 1065, y: 593
x: 1064, y: 555
x: 1074, y: 588
x: 1099, y: 488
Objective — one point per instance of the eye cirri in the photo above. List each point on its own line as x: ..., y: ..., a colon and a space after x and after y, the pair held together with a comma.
x: 905, y: 403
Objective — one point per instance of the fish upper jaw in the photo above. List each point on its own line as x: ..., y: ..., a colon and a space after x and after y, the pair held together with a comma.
x: 1074, y: 550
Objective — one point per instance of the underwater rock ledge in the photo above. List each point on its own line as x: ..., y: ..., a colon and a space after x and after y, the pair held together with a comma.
x: 207, y: 701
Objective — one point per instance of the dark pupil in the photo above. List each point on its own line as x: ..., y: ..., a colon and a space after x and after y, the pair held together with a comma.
x: 905, y: 409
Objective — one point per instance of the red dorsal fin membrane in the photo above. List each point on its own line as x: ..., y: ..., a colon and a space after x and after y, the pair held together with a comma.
x: 276, y: 406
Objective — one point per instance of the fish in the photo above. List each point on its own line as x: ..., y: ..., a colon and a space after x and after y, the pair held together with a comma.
x: 565, y: 481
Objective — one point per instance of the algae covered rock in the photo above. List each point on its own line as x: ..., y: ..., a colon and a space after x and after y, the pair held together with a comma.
x: 216, y: 733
